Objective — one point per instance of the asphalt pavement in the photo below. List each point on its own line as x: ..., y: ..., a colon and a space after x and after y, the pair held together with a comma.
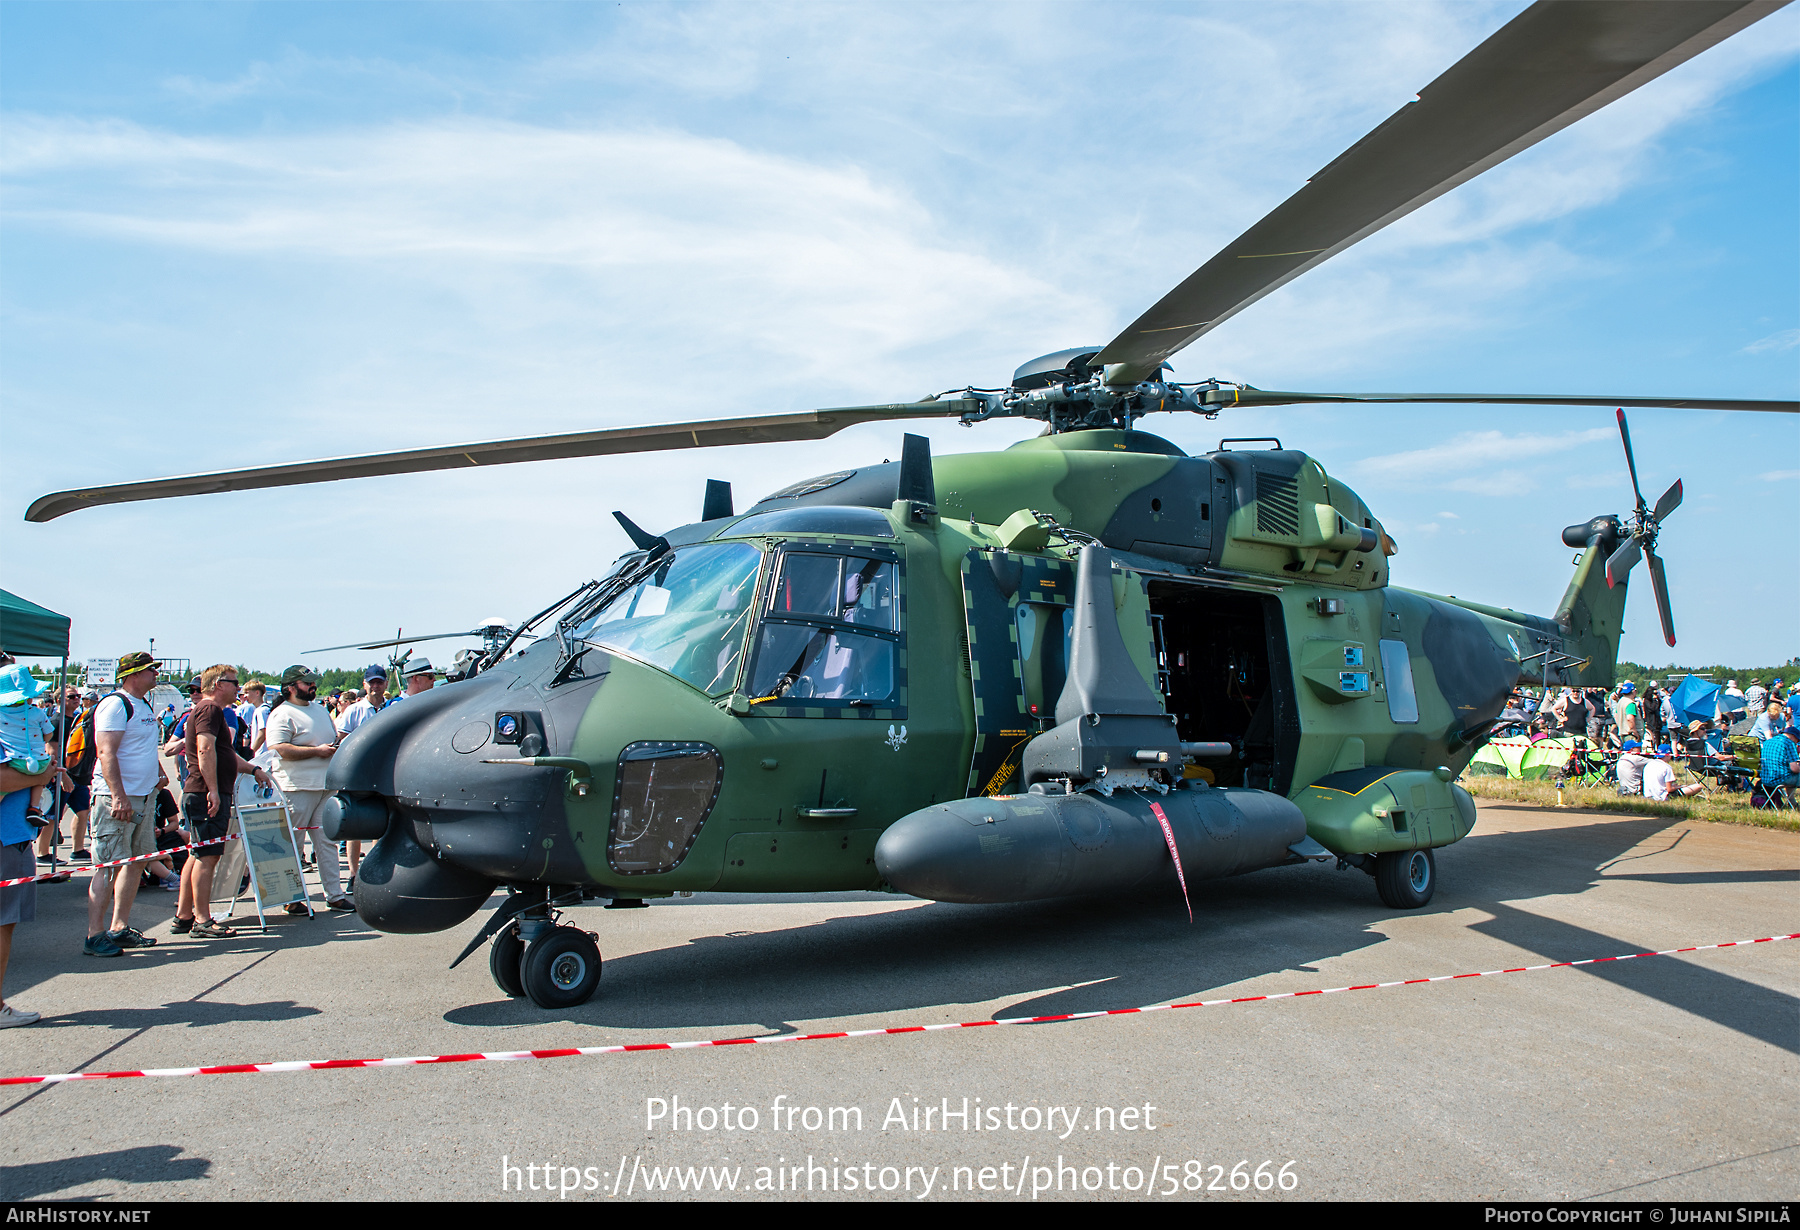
x: 1662, y: 1078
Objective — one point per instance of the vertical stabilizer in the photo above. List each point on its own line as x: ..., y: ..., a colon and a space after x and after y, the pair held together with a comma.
x: 1592, y: 612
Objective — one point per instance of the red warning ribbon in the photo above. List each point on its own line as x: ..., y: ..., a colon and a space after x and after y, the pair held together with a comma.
x: 1169, y: 837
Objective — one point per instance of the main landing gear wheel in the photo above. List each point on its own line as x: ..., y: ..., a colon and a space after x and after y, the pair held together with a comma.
x: 1406, y: 879
x: 504, y: 956
x: 561, y: 968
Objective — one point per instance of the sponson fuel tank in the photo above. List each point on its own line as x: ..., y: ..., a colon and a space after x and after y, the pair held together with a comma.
x: 1030, y: 847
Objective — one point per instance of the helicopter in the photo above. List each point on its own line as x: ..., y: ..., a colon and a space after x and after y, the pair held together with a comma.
x: 492, y: 632
x: 1088, y: 664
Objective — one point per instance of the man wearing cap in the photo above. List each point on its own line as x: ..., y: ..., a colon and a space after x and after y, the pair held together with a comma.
x: 1628, y: 721
x: 1631, y: 768
x: 301, y: 734
x: 124, y: 803
x: 375, y: 680
x: 1659, y: 777
x: 419, y: 676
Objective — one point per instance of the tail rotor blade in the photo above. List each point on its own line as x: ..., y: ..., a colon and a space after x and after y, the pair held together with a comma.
x: 1622, y: 561
x: 1671, y: 500
x: 1630, y: 461
x: 1661, y: 585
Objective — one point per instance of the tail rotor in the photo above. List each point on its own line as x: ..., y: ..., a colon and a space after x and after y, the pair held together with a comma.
x: 1640, y: 537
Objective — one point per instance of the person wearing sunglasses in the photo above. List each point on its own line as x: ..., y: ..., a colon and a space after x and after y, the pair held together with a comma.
x: 213, y: 766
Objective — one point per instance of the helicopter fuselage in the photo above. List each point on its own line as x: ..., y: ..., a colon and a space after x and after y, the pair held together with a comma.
x: 756, y: 711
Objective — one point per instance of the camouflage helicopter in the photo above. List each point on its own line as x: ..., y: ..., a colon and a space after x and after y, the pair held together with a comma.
x: 1086, y: 664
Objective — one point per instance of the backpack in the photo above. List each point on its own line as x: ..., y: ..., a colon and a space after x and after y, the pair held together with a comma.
x: 81, y: 772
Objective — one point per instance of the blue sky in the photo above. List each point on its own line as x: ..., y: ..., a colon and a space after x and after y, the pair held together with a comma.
x: 241, y: 234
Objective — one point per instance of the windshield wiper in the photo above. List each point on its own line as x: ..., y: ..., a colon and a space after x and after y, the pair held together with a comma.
x: 489, y: 660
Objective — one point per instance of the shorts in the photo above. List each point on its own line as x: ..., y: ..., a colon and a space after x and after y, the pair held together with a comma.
x: 19, y: 903
x: 79, y: 797
x: 114, y: 839
x: 203, y: 827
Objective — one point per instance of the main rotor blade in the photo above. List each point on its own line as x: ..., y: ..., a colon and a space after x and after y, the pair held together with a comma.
x: 1661, y: 585
x: 1671, y: 500
x: 1248, y: 396
x: 804, y: 425
x: 1542, y: 71
x: 405, y: 640
x: 1630, y: 461
x: 1622, y: 561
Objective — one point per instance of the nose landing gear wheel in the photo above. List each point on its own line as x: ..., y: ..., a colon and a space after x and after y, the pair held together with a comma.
x: 504, y: 956
x: 1406, y: 879
x: 561, y: 968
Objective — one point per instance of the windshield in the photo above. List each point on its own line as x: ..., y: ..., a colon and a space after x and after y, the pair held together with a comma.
x: 687, y: 617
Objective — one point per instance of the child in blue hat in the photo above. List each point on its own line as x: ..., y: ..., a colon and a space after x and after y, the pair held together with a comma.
x: 23, y: 727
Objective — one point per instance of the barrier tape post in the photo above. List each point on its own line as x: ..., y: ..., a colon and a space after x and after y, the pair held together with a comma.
x: 316, y: 1065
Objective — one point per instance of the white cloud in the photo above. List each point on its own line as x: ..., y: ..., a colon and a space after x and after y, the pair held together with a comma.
x: 1475, y: 461
x: 1775, y: 343
x: 688, y: 237
x: 1779, y: 476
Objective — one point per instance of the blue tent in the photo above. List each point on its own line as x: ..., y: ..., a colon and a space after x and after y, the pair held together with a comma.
x: 1695, y: 699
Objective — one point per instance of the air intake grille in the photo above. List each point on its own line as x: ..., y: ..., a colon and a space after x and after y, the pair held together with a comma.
x: 1277, y: 505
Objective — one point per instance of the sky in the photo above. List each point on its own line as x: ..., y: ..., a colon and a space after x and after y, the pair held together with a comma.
x: 242, y: 234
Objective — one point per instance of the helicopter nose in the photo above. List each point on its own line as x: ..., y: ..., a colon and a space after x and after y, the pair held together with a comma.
x: 419, y: 779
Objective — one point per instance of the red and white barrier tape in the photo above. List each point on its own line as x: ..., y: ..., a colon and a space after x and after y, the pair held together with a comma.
x: 138, y: 858
x: 118, y: 862
x: 304, y: 1065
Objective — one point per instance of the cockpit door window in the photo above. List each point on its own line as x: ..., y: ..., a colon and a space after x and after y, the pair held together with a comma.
x: 832, y: 635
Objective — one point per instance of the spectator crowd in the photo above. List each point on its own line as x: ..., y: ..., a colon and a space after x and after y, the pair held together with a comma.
x: 1635, y: 738
x: 152, y: 793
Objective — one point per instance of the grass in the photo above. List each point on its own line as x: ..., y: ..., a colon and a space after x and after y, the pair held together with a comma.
x: 1721, y: 808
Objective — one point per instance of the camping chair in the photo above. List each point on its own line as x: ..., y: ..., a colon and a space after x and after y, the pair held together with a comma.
x: 1777, y: 797
x: 1588, y: 764
x: 1696, y: 765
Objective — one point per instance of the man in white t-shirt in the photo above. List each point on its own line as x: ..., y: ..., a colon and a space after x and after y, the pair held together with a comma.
x: 1631, y: 768
x: 1659, y: 778
x: 300, y: 732
x: 127, y: 776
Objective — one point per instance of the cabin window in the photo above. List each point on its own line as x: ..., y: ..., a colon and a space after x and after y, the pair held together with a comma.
x: 1396, y: 665
x: 1045, y: 632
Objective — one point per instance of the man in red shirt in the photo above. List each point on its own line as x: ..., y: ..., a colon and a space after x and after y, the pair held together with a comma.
x: 206, y: 797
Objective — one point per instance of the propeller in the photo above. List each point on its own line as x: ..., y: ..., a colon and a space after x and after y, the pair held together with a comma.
x: 1554, y: 63
x: 1640, y: 540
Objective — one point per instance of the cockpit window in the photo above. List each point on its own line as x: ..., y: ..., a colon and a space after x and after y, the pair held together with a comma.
x: 688, y: 617
x: 831, y: 632
x: 846, y: 588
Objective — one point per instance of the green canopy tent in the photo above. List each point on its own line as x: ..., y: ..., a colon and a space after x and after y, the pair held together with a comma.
x: 28, y: 630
